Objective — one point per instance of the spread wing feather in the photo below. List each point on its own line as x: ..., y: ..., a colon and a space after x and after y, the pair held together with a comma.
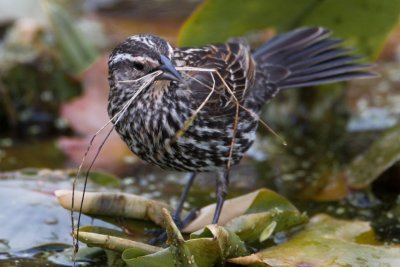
x: 234, y: 64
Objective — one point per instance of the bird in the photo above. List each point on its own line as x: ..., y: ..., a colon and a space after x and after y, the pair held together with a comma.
x: 197, y: 109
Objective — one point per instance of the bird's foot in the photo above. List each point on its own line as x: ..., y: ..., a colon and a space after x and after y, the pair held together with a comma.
x: 160, y: 235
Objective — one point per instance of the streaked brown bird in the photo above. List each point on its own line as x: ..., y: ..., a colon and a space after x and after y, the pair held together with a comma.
x: 197, y: 109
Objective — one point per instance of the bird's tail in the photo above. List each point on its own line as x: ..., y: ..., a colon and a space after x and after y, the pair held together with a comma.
x: 307, y: 57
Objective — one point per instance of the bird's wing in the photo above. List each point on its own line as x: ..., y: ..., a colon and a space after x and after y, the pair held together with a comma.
x: 236, y: 73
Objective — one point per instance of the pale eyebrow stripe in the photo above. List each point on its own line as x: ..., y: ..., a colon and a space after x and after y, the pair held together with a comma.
x: 122, y: 57
x: 126, y: 56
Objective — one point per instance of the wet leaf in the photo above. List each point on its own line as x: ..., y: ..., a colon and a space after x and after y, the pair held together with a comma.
x: 180, y: 252
x: 114, y: 204
x: 252, y: 227
x: 262, y: 212
x: 256, y: 216
x: 229, y: 243
x: 114, y: 259
x: 212, y: 21
x: 250, y: 214
x: 209, y: 247
x: 326, y: 242
x: 112, y: 240
x: 204, y: 253
x: 382, y: 154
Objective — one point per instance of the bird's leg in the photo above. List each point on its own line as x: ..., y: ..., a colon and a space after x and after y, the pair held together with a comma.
x: 177, y: 214
x: 222, y: 190
x: 161, y: 235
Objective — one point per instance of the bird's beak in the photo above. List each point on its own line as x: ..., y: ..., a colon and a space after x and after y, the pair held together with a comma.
x: 169, y: 71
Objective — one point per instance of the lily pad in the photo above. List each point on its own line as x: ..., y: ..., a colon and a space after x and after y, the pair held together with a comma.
x: 262, y: 201
x: 255, y: 217
x: 210, y: 247
x: 251, y: 215
x: 229, y: 243
x: 326, y: 242
x: 248, y: 215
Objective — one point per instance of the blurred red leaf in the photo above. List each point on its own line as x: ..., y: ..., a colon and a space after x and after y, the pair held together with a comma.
x: 86, y: 115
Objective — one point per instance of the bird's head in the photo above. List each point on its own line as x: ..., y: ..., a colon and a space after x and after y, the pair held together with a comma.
x: 137, y: 57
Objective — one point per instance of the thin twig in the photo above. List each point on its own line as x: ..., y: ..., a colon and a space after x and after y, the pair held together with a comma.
x: 189, y: 122
x: 250, y: 111
x: 117, y: 116
x: 235, y: 126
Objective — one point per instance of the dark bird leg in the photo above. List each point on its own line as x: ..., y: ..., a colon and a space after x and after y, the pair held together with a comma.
x: 177, y: 214
x: 222, y: 190
x: 161, y: 235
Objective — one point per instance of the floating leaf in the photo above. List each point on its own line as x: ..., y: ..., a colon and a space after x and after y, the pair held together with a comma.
x: 250, y: 214
x: 212, y: 21
x: 114, y: 204
x: 379, y: 157
x: 204, y: 253
x: 247, y: 216
x: 112, y: 240
x: 180, y: 252
x: 251, y: 227
x: 229, y: 243
x: 209, y: 247
x: 260, y: 213
x: 326, y: 242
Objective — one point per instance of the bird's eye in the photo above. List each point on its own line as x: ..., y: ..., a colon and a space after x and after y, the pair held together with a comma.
x: 138, y: 65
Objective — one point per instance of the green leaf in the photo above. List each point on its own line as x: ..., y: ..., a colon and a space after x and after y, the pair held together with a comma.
x: 249, y: 215
x: 179, y: 250
x: 381, y: 155
x: 326, y: 242
x: 230, y: 245
x: 251, y: 227
x: 209, y: 247
x: 213, y: 21
x: 160, y: 259
x: 204, y: 252
x: 268, y: 200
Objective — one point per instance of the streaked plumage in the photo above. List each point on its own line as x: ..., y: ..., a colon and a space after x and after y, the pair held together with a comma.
x: 299, y: 58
